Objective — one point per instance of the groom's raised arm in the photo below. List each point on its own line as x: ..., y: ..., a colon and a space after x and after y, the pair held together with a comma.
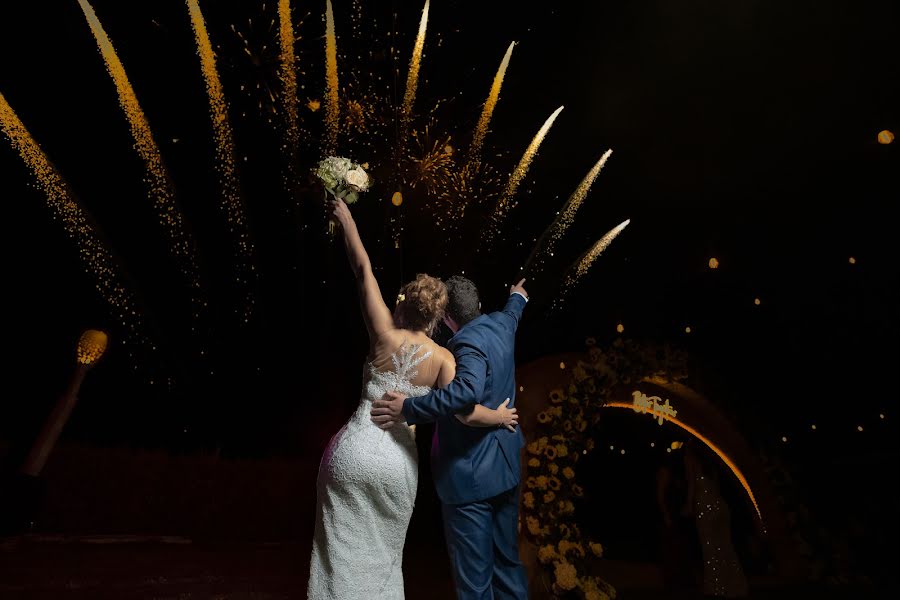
x: 512, y: 312
x: 461, y: 395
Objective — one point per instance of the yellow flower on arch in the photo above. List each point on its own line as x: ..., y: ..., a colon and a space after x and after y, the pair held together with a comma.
x: 554, y: 484
x: 568, y: 473
x: 547, y: 554
x: 533, y: 462
x: 557, y: 396
x: 549, y: 497
x: 566, y: 575
x: 562, y: 450
x: 597, y: 549
x: 543, y: 417
x: 550, y: 452
x: 541, y: 482
x: 528, y: 497
x: 554, y: 468
x: 567, y: 425
x: 577, y: 490
x: 579, y: 372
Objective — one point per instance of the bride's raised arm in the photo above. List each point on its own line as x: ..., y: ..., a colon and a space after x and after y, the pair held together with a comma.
x: 376, y: 314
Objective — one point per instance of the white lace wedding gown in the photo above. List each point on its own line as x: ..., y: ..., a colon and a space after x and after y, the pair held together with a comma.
x: 366, y: 491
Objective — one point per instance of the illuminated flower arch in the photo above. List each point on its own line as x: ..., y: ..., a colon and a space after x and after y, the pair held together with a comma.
x: 561, y: 432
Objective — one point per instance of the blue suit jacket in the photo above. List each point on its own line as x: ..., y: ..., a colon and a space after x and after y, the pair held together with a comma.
x: 475, y: 463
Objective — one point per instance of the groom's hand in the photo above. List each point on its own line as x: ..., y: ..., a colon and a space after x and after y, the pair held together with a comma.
x: 388, y: 411
x: 518, y: 289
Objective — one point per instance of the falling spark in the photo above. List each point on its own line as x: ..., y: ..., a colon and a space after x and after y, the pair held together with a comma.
x: 332, y: 106
x: 97, y: 259
x: 485, y: 118
x: 288, y: 75
x: 160, y: 188
x: 583, y: 264
x: 412, y: 78
x: 231, y: 199
x: 505, y: 204
x: 551, y: 236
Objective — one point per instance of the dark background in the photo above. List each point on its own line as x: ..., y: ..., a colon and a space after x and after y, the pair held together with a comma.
x: 744, y: 131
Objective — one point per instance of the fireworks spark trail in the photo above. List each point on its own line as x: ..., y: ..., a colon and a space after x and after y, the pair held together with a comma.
x: 332, y: 104
x: 506, y: 203
x: 548, y: 240
x: 412, y: 79
x: 231, y: 198
x: 288, y: 73
x: 583, y: 264
x: 98, y: 261
x: 489, y: 105
x: 157, y: 178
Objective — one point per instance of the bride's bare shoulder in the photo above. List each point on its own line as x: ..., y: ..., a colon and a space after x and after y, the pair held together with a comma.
x: 444, y: 355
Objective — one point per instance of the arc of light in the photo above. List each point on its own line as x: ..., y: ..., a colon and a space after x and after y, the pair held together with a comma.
x: 675, y: 421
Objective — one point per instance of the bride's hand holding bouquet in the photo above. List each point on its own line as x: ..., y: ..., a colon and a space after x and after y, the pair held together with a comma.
x: 344, y: 180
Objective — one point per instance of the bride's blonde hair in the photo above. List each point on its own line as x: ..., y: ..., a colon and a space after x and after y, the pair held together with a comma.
x: 421, y: 303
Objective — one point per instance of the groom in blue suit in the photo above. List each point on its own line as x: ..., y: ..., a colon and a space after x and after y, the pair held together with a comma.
x: 476, y: 470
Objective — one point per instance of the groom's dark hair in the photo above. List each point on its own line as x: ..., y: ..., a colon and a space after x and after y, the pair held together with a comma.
x: 463, y: 304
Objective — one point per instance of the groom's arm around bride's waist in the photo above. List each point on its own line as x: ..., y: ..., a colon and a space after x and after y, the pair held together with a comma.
x: 466, y: 389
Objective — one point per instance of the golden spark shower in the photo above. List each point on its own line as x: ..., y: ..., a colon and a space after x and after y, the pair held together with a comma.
x: 490, y: 104
x: 547, y: 243
x: 98, y: 261
x: 231, y: 204
x: 288, y: 73
x: 157, y: 179
x: 506, y: 202
x: 581, y: 266
x: 412, y: 78
x: 332, y: 104
x: 446, y: 186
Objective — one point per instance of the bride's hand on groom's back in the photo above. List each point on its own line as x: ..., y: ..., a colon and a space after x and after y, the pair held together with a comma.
x: 507, y: 416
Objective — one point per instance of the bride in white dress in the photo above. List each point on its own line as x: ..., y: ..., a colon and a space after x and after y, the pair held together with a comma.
x: 368, y: 477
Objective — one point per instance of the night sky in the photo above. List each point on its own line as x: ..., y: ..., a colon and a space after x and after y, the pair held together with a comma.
x: 744, y: 131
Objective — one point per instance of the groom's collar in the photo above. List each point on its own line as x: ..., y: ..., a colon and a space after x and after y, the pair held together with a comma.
x: 464, y: 327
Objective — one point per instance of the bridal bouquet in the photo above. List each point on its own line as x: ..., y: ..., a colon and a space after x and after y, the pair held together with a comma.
x: 343, y: 179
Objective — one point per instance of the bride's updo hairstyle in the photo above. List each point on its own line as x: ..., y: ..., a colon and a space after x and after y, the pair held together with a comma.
x: 421, y: 304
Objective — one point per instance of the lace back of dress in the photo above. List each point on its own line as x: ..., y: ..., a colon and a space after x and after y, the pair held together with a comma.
x: 405, y: 362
